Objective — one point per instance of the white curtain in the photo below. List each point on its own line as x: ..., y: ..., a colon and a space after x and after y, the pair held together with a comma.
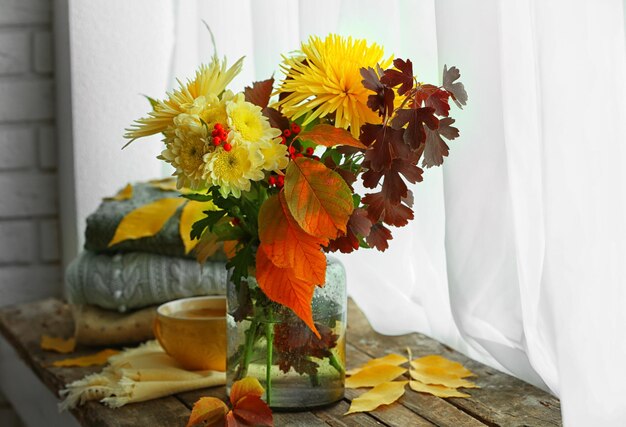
x: 517, y: 254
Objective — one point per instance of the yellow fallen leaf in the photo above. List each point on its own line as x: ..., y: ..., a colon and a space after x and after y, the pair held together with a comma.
x: 436, y: 361
x: 124, y: 194
x: 146, y: 220
x: 436, y: 390
x: 207, y: 246
x: 375, y: 375
x: 439, y: 376
x: 99, y: 358
x: 207, y: 411
x: 192, y: 212
x: 60, y: 345
x: 165, y: 184
x: 383, y: 394
x: 390, y: 359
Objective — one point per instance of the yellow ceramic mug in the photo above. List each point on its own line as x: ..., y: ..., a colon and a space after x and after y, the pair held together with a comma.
x: 193, y: 331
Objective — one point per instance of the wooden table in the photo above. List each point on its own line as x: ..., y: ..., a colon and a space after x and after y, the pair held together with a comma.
x: 501, y: 401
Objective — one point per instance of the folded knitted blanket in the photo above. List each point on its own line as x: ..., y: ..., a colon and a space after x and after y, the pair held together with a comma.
x: 101, y: 226
x: 134, y: 280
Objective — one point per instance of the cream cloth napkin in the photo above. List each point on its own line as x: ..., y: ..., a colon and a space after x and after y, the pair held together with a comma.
x: 137, y: 375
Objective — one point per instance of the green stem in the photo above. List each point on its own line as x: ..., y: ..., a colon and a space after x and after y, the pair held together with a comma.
x: 248, y: 348
x: 269, y: 337
x: 335, y: 363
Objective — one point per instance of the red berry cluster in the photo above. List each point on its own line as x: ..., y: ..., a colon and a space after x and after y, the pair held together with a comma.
x: 277, y: 181
x: 290, y: 133
x: 220, y: 137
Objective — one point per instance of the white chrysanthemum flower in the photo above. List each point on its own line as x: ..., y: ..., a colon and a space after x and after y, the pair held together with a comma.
x: 233, y: 170
x: 274, y: 155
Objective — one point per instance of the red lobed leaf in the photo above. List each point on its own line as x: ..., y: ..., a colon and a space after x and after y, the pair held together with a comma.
x: 318, y: 198
x: 260, y: 92
x: 436, y: 148
x: 383, y: 209
x: 415, y: 119
x: 379, y: 237
x: 358, y: 225
x: 276, y: 118
x: 457, y: 90
x: 282, y: 286
x: 439, y: 102
x: 330, y: 136
x: 382, y: 100
x: 384, y: 144
x: 402, y: 75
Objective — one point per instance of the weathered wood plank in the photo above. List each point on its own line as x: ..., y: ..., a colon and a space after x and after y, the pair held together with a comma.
x: 502, y: 400
x: 23, y: 326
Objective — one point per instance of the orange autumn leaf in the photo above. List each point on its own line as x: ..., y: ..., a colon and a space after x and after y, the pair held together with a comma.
x: 207, y: 411
x: 124, y: 194
x: 247, y: 408
x: 248, y: 386
x: 287, y: 245
x: 99, y: 358
x: 282, y: 286
x: 146, y: 220
x: 60, y: 345
x: 230, y: 247
x: 318, y: 198
x: 390, y: 359
x: 382, y: 394
x: 374, y: 375
x: 330, y: 136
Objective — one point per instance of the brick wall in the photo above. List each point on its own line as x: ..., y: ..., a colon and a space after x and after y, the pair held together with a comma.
x: 29, y: 236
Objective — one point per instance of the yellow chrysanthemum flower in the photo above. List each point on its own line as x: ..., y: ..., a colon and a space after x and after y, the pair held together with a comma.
x: 274, y: 155
x: 247, y: 122
x: 233, y: 170
x: 326, y: 79
x: 210, y: 80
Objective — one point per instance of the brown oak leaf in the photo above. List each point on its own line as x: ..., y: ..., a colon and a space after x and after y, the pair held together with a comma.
x: 457, y: 90
x: 379, y: 237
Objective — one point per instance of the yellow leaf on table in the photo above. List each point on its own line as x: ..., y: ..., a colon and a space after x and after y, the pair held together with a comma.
x: 146, y: 220
x: 207, y: 411
x: 124, y: 194
x: 60, y: 345
x: 439, y: 376
x: 192, y: 212
x: 436, y: 361
x: 99, y: 358
x: 436, y: 390
x: 382, y: 394
x: 375, y: 375
x: 165, y: 184
x: 390, y: 359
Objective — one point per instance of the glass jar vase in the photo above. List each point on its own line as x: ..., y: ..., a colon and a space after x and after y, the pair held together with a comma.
x: 268, y: 341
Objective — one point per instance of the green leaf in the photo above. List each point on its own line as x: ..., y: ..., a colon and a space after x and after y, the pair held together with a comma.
x: 212, y: 217
x: 198, y: 197
x: 240, y: 263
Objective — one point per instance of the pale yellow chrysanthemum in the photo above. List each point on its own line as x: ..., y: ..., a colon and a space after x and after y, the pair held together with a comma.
x: 209, y: 80
x: 233, y: 170
x: 247, y: 122
x: 325, y: 78
x: 274, y: 155
x: 185, y: 152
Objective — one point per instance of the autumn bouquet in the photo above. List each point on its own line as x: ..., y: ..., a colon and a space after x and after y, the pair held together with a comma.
x: 278, y: 164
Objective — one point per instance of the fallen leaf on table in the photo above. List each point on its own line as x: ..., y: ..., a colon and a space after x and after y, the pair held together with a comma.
x: 436, y: 361
x: 382, y: 394
x: 390, y: 359
x: 60, y: 345
x: 439, y: 376
x: 99, y: 358
x: 124, y: 194
x: 247, y: 408
x: 374, y: 375
x: 207, y: 411
x: 146, y: 220
x: 436, y: 390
